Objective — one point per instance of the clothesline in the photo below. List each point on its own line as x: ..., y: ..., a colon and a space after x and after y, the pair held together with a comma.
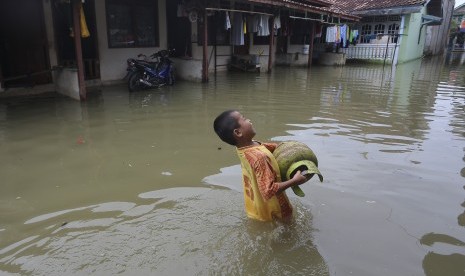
x: 306, y: 18
x: 218, y: 9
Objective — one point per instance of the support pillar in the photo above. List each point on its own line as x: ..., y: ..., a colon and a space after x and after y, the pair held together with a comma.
x: 78, y: 48
x: 205, y: 48
x: 270, y: 54
x: 310, y: 50
x: 2, y: 87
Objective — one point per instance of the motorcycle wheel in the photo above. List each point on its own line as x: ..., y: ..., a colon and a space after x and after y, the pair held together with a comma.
x: 134, y: 83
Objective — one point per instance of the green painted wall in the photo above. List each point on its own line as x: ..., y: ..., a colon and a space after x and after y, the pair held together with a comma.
x: 410, y: 49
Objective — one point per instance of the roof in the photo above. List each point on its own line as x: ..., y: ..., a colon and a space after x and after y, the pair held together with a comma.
x: 460, y: 10
x: 325, y: 7
x: 360, y: 5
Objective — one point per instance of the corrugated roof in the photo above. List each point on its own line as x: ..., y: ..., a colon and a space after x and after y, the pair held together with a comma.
x: 460, y: 10
x: 299, y: 5
x: 360, y: 5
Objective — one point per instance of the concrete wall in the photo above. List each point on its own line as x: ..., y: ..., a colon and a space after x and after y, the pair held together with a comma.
x: 410, y: 48
x: 66, y: 82
x: 113, y: 61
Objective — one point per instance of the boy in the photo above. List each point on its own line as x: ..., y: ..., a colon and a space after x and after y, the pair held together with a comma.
x: 264, y: 193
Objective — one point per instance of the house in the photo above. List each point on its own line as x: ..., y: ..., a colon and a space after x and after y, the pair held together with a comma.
x: 396, y: 31
x: 457, y: 29
x: 458, y: 14
x: 68, y: 45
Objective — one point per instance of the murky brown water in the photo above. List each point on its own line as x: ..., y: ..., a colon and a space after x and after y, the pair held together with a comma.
x: 139, y: 184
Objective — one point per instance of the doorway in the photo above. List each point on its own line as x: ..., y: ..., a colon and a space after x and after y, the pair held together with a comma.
x: 179, y: 30
x: 63, y: 22
x: 24, y: 56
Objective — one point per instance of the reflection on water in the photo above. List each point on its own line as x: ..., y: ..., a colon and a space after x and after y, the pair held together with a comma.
x: 139, y: 183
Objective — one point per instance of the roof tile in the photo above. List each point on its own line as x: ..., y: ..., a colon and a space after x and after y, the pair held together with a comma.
x: 360, y: 5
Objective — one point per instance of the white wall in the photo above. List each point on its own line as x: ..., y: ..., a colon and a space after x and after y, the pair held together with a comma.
x: 113, y: 61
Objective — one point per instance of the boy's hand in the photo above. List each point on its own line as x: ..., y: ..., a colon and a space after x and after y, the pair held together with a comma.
x: 298, y: 178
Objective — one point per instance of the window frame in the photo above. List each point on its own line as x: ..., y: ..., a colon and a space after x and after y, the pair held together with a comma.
x: 131, y: 4
x: 393, y: 29
x: 365, y: 30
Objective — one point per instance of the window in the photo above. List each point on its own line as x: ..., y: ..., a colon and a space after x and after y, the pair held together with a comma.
x: 379, y: 29
x: 365, y: 36
x: 393, y: 30
x: 132, y: 23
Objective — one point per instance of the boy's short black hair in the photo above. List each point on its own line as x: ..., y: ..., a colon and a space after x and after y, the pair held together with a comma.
x: 224, y: 126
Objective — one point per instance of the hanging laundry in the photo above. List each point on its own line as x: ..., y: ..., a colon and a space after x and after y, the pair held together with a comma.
x: 245, y: 24
x: 343, y: 29
x: 331, y: 34
x: 237, y: 29
x: 255, y: 23
x: 227, y: 23
x: 82, y: 22
x: 277, y: 22
x: 263, y: 26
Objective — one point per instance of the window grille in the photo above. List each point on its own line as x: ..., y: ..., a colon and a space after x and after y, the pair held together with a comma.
x: 379, y: 29
x: 393, y: 30
x: 132, y: 24
x: 365, y: 34
x: 394, y: 18
x: 382, y: 18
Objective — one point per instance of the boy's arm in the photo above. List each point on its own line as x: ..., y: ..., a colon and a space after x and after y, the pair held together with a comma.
x: 297, y: 179
x: 266, y: 179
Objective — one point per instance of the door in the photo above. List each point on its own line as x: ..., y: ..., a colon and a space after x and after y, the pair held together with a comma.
x: 63, y: 24
x: 23, y: 44
x: 179, y: 30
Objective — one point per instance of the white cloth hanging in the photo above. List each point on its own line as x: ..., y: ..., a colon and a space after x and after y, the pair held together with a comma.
x: 237, y: 29
x: 227, y: 24
x: 263, y: 25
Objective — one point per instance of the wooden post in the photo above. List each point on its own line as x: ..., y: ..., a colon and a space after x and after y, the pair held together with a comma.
x: 205, y: 48
x: 270, y: 55
x: 78, y: 48
x: 310, y: 50
x: 1, y: 78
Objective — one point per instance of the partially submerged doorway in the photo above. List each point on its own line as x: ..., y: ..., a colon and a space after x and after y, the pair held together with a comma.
x: 63, y: 23
x: 24, y: 56
x: 179, y: 29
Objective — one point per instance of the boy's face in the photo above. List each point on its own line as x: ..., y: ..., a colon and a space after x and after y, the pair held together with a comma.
x: 245, y: 130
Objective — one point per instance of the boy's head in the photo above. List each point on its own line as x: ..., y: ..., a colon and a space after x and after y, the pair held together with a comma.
x: 233, y: 128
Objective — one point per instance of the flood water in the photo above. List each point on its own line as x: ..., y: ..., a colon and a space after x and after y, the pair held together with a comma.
x: 139, y: 184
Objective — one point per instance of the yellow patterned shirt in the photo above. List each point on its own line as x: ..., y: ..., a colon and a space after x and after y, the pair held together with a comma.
x: 260, y: 174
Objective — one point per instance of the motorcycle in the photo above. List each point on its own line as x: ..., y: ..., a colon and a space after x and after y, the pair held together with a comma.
x: 143, y: 74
